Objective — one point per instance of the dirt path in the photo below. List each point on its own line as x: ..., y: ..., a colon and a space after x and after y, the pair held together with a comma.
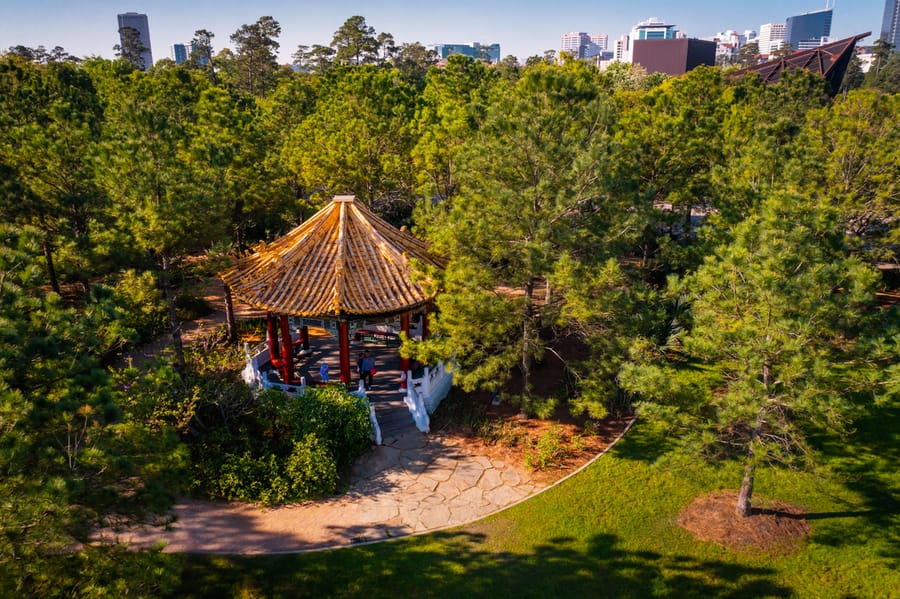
x: 192, y: 331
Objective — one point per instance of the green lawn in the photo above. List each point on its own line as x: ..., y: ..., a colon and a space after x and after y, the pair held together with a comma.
x: 610, y: 531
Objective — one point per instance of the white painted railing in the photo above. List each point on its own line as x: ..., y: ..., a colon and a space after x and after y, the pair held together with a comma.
x: 432, y: 387
x: 422, y: 397
x: 376, y: 428
x: 253, y: 374
x: 416, y: 406
x: 424, y: 394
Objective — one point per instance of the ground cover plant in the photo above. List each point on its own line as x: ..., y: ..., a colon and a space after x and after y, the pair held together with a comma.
x: 612, y: 531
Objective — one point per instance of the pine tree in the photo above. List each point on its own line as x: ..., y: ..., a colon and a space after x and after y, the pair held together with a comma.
x: 780, y: 315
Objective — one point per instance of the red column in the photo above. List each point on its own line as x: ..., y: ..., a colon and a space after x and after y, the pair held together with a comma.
x: 404, y: 362
x: 344, y: 345
x: 272, y: 339
x: 287, y: 350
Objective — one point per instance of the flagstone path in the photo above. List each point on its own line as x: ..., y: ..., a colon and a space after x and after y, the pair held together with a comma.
x: 417, y: 483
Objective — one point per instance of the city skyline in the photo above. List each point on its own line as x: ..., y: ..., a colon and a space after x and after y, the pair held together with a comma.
x: 522, y: 28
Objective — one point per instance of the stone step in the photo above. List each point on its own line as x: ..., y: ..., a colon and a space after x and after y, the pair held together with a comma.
x: 394, y: 418
x: 397, y: 416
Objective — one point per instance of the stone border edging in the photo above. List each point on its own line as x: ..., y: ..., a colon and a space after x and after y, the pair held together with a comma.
x: 449, y: 526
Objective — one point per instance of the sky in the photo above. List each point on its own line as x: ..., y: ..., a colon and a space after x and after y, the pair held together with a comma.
x: 523, y: 28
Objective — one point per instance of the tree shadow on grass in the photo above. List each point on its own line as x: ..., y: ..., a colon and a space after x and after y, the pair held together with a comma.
x: 866, y: 463
x: 646, y: 441
x: 460, y: 564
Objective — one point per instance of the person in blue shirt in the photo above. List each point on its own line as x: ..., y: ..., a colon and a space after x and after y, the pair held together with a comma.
x: 323, y: 372
x: 368, y: 365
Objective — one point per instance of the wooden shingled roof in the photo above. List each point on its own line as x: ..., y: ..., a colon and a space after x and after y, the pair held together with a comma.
x: 343, y: 261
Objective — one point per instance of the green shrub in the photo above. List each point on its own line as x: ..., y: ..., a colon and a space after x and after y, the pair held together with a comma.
x: 285, y: 448
x: 245, y: 477
x: 548, y: 450
x: 338, y: 419
x: 311, y: 469
x: 506, y: 433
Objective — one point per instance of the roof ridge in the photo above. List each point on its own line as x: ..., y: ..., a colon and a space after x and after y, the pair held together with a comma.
x: 338, y: 289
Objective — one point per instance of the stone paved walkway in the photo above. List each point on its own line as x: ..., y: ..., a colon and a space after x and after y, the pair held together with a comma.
x: 414, y: 483
x: 417, y: 483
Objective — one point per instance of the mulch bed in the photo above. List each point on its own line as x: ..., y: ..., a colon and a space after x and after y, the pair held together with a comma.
x: 603, y: 433
x: 582, y: 438
x: 774, y: 527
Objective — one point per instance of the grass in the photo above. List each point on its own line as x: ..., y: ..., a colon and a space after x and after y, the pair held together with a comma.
x: 610, y: 531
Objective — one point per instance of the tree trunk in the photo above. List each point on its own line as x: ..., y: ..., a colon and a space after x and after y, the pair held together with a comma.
x: 743, y: 502
x: 526, y: 338
x: 743, y: 507
x: 229, y: 316
x: 237, y: 214
x: 51, y: 270
x: 687, y: 225
x: 173, y: 314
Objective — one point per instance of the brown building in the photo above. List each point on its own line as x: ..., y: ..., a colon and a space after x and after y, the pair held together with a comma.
x: 673, y: 57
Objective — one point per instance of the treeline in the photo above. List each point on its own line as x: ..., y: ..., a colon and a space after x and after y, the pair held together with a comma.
x: 710, y: 241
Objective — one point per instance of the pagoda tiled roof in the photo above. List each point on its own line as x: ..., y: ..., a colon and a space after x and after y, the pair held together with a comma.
x: 343, y: 261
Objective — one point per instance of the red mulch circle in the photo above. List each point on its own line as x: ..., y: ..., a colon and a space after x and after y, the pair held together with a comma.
x: 774, y: 527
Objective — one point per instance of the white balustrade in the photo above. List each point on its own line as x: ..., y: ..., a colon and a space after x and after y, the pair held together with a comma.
x: 416, y: 407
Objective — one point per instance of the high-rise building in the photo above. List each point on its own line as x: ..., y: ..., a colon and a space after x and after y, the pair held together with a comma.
x: 583, y: 45
x: 571, y: 43
x: 180, y: 53
x: 771, y: 37
x: 486, y: 52
x: 651, y: 29
x: 890, y: 24
x: 620, y: 51
x: 139, y: 23
x: 808, y: 30
x: 601, y: 40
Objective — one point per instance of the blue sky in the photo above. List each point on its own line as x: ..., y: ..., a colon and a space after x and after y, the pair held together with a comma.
x: 522, y: 27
